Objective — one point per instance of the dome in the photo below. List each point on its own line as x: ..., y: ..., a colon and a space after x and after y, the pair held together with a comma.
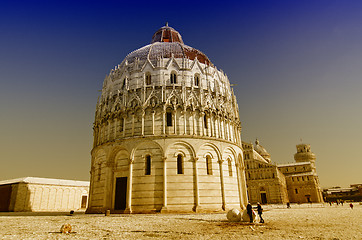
x: 166, y: 34
x: 261, y: 150
x: 166, y: 42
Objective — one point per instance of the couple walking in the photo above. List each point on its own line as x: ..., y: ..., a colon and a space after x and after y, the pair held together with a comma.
x: 249, y: 210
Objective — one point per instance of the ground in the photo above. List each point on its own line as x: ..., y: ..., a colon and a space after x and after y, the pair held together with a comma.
x: 305, y: 221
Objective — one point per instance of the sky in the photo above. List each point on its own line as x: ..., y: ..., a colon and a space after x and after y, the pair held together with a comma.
x: 295, y: 65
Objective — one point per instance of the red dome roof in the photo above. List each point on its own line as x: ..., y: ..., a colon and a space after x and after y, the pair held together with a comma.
x: 167, y: 42
x: 166, y: 34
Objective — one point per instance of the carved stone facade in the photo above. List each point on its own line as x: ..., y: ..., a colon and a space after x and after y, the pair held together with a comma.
x: 166, y: 134
x: 268, y: 182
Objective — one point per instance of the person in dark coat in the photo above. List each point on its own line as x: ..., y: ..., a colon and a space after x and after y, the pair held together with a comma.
x: 260, y: 212
x: 249, y: 211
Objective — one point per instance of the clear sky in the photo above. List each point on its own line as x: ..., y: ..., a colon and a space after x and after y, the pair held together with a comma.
x: 297, y: 66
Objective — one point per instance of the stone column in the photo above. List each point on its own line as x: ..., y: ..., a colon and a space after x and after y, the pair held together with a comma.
x: 202, y: 132
x: 197, y: 206
x: 243, y: 197
x: 226, y: 129
x: 193, y: 123
x: 153, y: 122
x: 175, y: 121
x: 217, y: 128
x: 164, y: 206
x: 221, y: 161
x: 132, y: 124
x: 143, y: 123
x: 231, y: 131
x: 164, y: 122
x: 124, y: 126
x: 221, y: 128
x: 211, y: 126
x: 90, y: 200
x: 185, y: 122
x: 109, y: 185
x: 129, y: 188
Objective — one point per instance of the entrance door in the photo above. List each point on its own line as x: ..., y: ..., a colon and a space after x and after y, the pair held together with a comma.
x: 121, y: 193
x: 263, y: 198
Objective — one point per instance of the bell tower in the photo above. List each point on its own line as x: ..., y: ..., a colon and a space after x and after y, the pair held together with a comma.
x: 304, y: 153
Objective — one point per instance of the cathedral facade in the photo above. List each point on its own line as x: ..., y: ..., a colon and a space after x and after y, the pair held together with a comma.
x: 268, y: 182
x: 166, y: 134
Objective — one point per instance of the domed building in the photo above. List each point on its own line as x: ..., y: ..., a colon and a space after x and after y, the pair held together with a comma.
x: 166, y: 134
x: 268, y: 182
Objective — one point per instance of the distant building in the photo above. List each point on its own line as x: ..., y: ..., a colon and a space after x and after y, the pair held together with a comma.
x: 268, y: 182
x: 31, y: 194
x: 353, y: 193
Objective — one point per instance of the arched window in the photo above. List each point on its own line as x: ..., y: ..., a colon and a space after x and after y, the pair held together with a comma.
x: 148, y: 78
x: 208, y: 165
x: 205, y: 121
x: 148, y: 165
x: 173, y: 78
x: 230, y: 166
x: 123, y: 83
x: 196, y: 80
x: 121, y: 124
x: 180, y: 167
x: 168, y: 119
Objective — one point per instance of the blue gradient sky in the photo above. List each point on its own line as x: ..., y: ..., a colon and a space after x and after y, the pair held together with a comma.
x: 297, y: 66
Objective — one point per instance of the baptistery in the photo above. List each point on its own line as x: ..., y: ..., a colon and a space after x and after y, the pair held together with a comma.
x: 166, y: 134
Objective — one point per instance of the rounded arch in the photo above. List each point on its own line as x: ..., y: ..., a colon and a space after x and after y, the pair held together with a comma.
x: 116, y: 151
x: 240, y: 160
x: 188, y: 146
x: 147, y: 142
x: 212, y: 146
x: 208, y: 154
x: 179, y: 152
x: 229, y: 152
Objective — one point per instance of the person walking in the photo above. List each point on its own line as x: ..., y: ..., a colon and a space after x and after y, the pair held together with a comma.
x: 249, y: 211
x: 260, y: 212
